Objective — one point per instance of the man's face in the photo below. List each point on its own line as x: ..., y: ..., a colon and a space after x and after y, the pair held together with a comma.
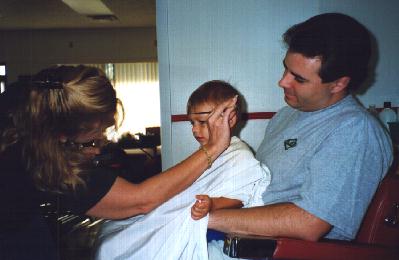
x: 303, y: 87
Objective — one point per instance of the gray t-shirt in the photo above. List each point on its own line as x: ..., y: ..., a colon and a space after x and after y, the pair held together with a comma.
x: 328, y: 162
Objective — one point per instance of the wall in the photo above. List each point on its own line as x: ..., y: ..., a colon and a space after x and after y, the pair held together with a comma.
x: 28, y: 51
x: 382, y: 19
x: 240, y: 41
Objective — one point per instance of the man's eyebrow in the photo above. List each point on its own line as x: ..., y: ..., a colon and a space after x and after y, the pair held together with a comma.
x: 285, y: 65
x: 293, y: 73
x: 299, y: 76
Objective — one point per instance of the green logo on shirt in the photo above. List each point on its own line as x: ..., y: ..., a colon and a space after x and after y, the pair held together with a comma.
x: 289, y: 143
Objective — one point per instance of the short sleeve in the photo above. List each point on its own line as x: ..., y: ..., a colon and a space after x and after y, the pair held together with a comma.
x: 344, y: 174
x: 98, y: 182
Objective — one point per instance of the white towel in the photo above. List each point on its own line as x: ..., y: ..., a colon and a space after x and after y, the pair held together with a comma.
x: 169, y: 232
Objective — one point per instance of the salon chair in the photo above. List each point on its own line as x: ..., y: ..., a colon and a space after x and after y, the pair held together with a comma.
x: 377, y: 238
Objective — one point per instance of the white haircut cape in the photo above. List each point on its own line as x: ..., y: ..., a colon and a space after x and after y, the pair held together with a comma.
x: 169, y: 232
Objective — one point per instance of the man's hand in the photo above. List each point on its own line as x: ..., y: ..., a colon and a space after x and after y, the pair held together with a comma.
x: 201, y: 207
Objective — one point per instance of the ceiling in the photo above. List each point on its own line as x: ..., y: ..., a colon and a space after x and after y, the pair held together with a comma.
x: 54, y: 14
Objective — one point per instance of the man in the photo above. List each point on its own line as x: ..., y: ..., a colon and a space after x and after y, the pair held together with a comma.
x: 326, y: 154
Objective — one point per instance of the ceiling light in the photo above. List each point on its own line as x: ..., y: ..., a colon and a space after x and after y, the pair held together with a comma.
x: 103, y: 17
x: 88, y: 7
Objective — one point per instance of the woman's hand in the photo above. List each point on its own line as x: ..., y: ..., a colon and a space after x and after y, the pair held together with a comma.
x: 201, y: 207
x: 218, y: 126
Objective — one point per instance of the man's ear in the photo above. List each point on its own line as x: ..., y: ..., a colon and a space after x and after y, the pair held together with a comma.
x: 233, y: 119
x: 340, y: 84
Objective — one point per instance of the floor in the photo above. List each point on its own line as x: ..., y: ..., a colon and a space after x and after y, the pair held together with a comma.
x: 78, y: 244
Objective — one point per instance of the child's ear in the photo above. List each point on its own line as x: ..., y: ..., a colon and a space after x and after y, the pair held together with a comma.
x: 233, y: 119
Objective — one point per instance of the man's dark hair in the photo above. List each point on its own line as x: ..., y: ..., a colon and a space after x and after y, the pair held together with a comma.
x: 342, y: 43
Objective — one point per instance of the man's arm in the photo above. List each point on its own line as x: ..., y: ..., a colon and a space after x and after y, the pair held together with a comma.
x: 278, y: 220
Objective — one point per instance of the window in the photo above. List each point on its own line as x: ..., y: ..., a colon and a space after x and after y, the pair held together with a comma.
x: 2, y: 77
x: 137, y: 86
x: 2, y: 69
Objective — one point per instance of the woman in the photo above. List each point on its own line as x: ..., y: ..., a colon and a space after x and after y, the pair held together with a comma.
x: 51, y: 128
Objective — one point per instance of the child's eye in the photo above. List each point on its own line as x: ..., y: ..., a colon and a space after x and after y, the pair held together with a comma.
x: 203, y: 122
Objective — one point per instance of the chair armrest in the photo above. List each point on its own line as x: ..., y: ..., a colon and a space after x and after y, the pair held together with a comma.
x: 286, y: 248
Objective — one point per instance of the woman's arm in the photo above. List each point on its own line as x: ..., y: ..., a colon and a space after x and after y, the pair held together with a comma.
x: 126, y: 199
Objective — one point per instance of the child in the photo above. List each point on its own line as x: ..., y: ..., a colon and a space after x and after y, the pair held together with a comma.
x: 172, y: 231
x: 199, y: 106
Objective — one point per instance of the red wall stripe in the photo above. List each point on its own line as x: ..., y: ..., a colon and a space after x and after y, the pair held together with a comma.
x: 179, y: 118
x: 245, y: 116
x: 248, y: 116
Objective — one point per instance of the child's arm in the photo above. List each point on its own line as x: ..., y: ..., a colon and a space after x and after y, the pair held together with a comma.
x: 205, y: 204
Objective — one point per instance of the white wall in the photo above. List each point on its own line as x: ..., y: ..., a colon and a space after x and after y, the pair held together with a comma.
x: 28, y: 51
x: 240, y: 41
x: 382, y: 19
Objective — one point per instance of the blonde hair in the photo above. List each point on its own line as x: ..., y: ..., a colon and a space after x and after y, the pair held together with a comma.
x: 58, y: 101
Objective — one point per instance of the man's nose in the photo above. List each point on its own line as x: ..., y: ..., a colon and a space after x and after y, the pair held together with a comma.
x: 284, y: 82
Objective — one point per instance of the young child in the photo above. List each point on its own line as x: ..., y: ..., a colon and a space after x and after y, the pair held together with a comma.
x: 173, y: 231
x: 199, y: 106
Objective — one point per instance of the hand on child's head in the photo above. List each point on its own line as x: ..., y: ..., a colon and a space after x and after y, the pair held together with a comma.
x: 218, y: 123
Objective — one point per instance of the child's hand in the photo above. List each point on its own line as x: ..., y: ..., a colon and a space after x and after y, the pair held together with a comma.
x: 201, y: 207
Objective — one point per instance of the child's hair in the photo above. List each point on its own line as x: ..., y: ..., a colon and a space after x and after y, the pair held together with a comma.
x: 58, y: 101
x: 214, y: 92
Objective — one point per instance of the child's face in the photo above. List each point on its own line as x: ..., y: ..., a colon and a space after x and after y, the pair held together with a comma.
x: 198, y: 117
